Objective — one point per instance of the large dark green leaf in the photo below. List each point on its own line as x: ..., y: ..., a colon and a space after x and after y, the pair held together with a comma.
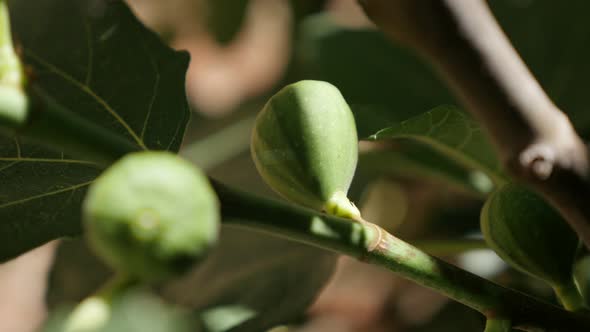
x: 97, y: 60
x: 451, y: 132
x: 253, y: 282
x: 417, y: 161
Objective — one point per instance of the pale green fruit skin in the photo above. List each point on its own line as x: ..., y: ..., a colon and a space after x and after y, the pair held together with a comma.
x: 151, y: 215
x: 533, y: 237
x: 305, y: 143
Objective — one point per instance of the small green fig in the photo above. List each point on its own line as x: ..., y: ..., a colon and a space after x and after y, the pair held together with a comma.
x: 305, y: 146
x: 151, y: 215
x: 530, y: 235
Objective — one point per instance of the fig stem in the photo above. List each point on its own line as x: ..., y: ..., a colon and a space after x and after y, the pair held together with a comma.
x: 340, y: 206
x: 369, y: 243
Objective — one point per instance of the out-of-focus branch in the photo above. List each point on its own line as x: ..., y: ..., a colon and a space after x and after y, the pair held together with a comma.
x: 536, y: 141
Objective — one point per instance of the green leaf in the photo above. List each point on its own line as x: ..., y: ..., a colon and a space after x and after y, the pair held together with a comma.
x: 452, y: 133
x: 529, y: 234
x: 416, y: 161
x: 97, y: 60
x: 382, y: 82
x: 253, y: 282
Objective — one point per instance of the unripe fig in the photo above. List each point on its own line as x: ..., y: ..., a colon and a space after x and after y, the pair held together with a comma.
x: 530, y: 235
x: 305, y: 146
x: 151, y: 215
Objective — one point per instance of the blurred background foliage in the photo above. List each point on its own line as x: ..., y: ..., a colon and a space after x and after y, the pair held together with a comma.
x: 242, y: 51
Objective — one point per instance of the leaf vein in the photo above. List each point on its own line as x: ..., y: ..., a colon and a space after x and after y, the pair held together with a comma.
x: 90, y: 51
x: 154, y: 91
x: 46, y: 160
x: 85, y: 88
x: 8, y: 166
x: 173, y: 140
x: 18, y: 150
x: 35, y: 197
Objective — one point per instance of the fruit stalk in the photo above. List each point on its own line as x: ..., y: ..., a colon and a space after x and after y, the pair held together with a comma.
x: 369, y: 243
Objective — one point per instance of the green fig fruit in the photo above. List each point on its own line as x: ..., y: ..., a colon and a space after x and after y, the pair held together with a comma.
x: 530, y: 235
x: 151, y: 215
x: 305, y: 146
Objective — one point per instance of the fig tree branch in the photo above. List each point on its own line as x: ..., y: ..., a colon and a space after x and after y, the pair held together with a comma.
x: 370, y: 243
x: 536, y: 141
